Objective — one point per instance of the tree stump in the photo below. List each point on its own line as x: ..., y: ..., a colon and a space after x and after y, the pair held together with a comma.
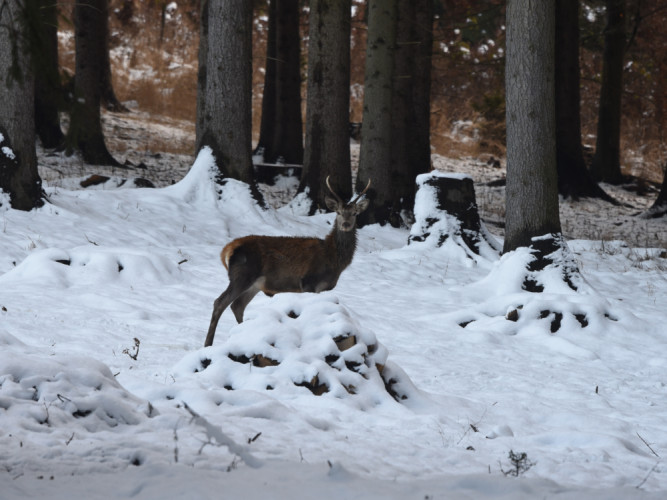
x: 446, y: 210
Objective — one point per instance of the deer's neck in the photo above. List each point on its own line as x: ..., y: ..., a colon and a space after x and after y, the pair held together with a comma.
x: 343, y: 244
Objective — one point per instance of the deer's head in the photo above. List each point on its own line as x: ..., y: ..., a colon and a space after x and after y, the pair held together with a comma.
x: 346, y: 213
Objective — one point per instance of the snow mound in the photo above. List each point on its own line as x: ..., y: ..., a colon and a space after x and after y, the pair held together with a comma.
x: 93, y: 265
x: 296, y: 345
x: 203, y: 183
x: 529, y: 292
x: 40, y: 392
x: 104, y: 183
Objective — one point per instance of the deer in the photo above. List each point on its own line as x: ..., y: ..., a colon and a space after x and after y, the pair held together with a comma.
x: 277, y: 264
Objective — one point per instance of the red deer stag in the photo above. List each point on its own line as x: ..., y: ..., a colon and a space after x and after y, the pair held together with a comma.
x: 275, y: 264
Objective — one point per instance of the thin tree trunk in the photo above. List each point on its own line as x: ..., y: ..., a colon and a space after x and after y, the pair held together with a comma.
x: 267, y: 120
x: 109, y: 99
x: 202, y: 70
x: 574, y: 178
x: 85, y: 128
x: 532, y: 190
x: 327, y: 150
x: 402, y: 184
x: 287, y: 140
x: 48, y: 89
x: 607, y: 162
x: 420, y: 141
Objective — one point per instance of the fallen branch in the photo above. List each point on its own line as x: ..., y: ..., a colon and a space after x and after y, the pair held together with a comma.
x: 215, y: 433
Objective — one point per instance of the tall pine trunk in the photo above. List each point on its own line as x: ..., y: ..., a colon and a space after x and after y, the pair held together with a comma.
x: 420, y: 137
x: 268, y: 117
x: 85, y: 128
x: 327, y: 150
x: 48, y: 89
x: 574, y: 178
x: 224, y: 110
x: 375, y: 153
x: 410, y: 139
x: 18, y: 159
x: 607, y: 160
x: 108, y: 94
x: 532, y: 191
x: 287, y: 140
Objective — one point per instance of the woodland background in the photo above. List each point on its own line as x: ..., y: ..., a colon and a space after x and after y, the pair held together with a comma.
x: 154, y: 44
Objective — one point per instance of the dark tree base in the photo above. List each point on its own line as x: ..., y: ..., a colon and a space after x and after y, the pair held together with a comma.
x: 23, y: 195
x: 550, y: 250
x: 552, y: 271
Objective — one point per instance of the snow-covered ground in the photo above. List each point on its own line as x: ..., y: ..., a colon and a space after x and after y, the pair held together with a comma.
x: 107, y: 392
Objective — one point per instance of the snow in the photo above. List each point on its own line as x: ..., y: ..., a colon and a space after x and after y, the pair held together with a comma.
x: 107, y: 392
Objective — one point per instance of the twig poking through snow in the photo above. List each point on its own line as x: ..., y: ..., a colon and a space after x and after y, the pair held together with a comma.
x: 215, y: 433
x: 648, y: 445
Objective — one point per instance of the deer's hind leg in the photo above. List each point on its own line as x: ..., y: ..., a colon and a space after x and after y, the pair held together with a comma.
x: 239, y: 286
x: 239, y: 305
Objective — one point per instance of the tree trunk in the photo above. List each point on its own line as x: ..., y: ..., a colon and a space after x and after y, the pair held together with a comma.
x: 48, y: 89
x: 532, y: 190
x: 224, y: 110
x: 420, y: 141
x: 401, y: 188
x: 268, y: 118
x: 606, y: 162
x: 410, y: 140
x: 376, y: 150
x: 327, y: 152
x: 85, y: 128
x: 574, y: 178
x: 287, y: 134
x: 18, y: 160
x: 109, y: 98
x: 202, y: 68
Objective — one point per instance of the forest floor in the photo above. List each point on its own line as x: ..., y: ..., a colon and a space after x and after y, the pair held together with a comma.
x: 459, y: 379
x: 156, y: 148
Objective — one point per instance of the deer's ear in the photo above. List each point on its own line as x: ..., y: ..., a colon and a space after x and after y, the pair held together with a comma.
x: 360, y: 206
x: 331, y: 203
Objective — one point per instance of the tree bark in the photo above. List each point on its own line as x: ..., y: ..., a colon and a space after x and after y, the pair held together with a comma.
x: 109, y: 99
x: 606, y: 162
x: 202, y: 69
x: 327, y: 152
x: 422, y: 35
x: 85, y: 128
x: 376, y: 150
x: 225, y: 88
x: 410, y: 140
x: 287, y: 134
x: 401, y: 189
x: 268, y: 117
x: 18, y: 159
x: 48, y: 89
x: 532, y: 190
x: 574, y: 178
